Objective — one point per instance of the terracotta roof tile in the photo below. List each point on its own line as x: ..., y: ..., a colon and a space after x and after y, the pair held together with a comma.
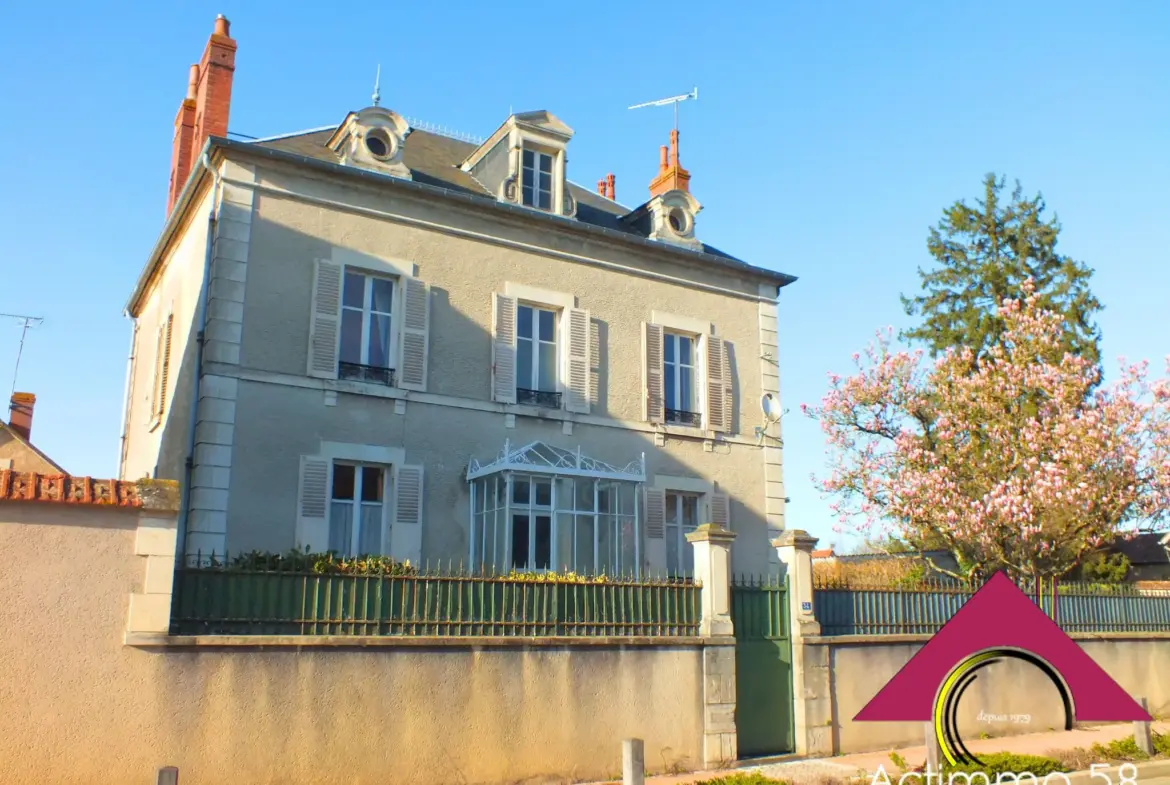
x: 67, y: 489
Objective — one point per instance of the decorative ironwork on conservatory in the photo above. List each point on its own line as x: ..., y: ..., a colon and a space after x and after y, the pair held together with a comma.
x: 540, y: 507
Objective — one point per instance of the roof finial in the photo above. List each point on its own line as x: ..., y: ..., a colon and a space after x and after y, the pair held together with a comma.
x: 377, y: 81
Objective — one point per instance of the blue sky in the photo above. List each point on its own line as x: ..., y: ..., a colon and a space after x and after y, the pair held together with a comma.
x: 827, y: 138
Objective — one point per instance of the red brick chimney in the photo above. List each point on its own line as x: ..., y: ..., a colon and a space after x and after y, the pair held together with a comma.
x: 671, y: 176
x: 601, y: 187
x: 20, y: 413
x: 183, y: 139
x: 609, y: 187
x: 204, y: 112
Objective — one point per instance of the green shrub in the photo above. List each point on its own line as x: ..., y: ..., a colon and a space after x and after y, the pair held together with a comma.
x: 743, y: 778
x: 996, y: 763
x: 1118, y: 750
x: 317, y: 563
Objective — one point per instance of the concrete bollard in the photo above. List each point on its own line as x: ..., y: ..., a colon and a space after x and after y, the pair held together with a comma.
x: 933, y: 752
x: 168, y: 775
x: 633, y: 762
x: 1143, y: 733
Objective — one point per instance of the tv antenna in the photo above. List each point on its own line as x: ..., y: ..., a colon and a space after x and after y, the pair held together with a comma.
x: 676, y: 100
x: 28, y: 321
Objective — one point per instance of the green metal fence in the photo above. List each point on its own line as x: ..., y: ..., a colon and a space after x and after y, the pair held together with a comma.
x: 217, y: 601
x: 874, y: 610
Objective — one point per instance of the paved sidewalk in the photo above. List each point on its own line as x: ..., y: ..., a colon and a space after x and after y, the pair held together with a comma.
x: 845, y: 767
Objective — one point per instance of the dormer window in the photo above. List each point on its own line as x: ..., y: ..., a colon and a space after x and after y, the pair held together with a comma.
x: 378, y: 143
x: 537, y: 180
x: 523, y: 163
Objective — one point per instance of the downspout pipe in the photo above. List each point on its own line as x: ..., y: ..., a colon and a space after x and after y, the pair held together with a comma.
x: 126, y: 395
x: 200, y: 339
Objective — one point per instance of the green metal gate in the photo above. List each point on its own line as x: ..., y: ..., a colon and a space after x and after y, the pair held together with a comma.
x: 763, y: 666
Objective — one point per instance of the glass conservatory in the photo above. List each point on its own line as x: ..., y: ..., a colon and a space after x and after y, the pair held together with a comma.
x: 540, y: 507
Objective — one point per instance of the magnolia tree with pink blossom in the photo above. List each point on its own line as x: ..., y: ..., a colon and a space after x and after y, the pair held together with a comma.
x: 1025, y: 464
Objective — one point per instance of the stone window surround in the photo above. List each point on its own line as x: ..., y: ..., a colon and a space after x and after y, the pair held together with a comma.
x: 556, y: 301
x: 698, y: 329
x: 378, y: 266
x: 521, y: 139
x: 367, y: 454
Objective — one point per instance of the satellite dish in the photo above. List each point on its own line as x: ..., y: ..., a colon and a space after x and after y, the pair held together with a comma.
x: 770, y: 407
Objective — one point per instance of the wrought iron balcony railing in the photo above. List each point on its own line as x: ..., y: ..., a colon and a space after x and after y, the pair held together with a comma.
x: 366, y: 373
x: 543, y: 398
x: 681, y: 417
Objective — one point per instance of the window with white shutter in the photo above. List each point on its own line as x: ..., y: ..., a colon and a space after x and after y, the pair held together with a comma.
x: 416, y: 314
x: 578, y: 360
x: 325, y: 328
x: 653, y: 409
x: 718, y: 387
x: 313, y: 504
x: 406, y: 530
x: 162, y: 371
x: 655, y: 501
x: 504, y: 348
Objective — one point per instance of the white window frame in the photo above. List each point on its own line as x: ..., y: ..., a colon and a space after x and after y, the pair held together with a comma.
x: 696, y: 368
x: 678, y: 529
x: 532, y: 510
x: 558, y: 344
x: 367, y: 314
x: 356, y: 503
x: 537, y: 156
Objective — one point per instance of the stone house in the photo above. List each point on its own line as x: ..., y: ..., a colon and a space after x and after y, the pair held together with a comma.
x: 375, y: 338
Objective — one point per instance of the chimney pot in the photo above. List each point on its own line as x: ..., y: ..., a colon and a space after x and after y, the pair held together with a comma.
x: 674, y: 148
x: 601, y: 186
x: 222, y: 25
x: 193, y: 82
x: 663, y: 163
x: 20, y: 413
x: 609, y: 186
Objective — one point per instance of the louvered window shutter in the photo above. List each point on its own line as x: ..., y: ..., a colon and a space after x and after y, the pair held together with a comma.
x: 416, y: 316
x: 313, y: 504
x: 728, y: 389
x: 165, y: 376
x: 325, y: 320
x: 652, y: 392
x: 721, y: 510
x: 577, y: 354
x: 406, y: 530
x: 655, y: 513
x: 594, y: 364
x: 155, y: 386
x: 715, y: 406
x: 504, y: 349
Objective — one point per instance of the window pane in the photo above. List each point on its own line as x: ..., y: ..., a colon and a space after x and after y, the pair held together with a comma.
x: 564, y: 542
x: 351, y: 336
x: 343, y: 476
x: 543, y: 492
x: 545, y: 182
x: 672, y: 508
x: 528, y: 193
x: 584, y: 495
x: 524, y: 364
x: 520, y: 541
x: 523, y: 322
x: 548, y: 326
x: 672, y: 564
x: 381, y: 295
x: 605, y: 497
x: 629, y: 549
x: 685, y: 350
x: 543, y: 542
x: 605, y: 545
x: 688, y: 558
x: 546, y: 163
x: 583, y: 545
x: 690, y: 512
x: 371, y: 484
x: 668, y: 347
x: 379, y: 348
x: 626, y: 492
x: 520, y: 490
x: 545, y: 201
x: 370, y: 534
x: 354, y: 291
x: 547, y: 378
x: 528, y: 156
x: 669, y: 387
x: 340, y: 527
x: 686, y: 389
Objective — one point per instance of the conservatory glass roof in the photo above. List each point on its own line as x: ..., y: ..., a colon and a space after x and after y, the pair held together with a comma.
x: 541, y: 458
